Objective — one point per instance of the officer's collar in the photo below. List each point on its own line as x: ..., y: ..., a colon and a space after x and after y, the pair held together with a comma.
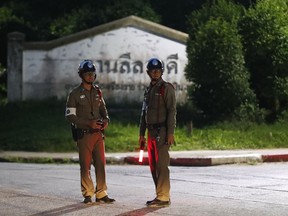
x: 158, y: 82
x: 83, y: 89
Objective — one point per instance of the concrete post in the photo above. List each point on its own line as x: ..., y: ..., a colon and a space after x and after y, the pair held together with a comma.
x: 15, y: 66
x: 189, y: 128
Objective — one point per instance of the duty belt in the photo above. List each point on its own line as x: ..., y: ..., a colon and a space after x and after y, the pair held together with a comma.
x: 90, y: 130
x: 156, y: 126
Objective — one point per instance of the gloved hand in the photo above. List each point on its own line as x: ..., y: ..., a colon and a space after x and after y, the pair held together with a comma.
x: 170, y: 139
x: 105, y: 124
x: 97, y: 124
x: 93, y: 124
x: 142, y: 142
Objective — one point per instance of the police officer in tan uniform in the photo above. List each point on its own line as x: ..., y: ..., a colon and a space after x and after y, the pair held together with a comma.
x: 159, y: 118
x: 86, y: 111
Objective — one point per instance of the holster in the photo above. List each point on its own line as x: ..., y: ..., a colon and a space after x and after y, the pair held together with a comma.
x: 76, y: 132
x: 156, y: 126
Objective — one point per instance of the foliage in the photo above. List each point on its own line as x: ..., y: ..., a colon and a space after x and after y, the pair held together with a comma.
x: 216, y: 64
x: 52, y: 19
x: 124, y: 8
x: 265, y: 37
x: 86, y: 16
x: 71, y: 22
x: 41, y: 126
x: 38, y: 125
x: 3, y: 87
x: 10, y: 22
x: 222, y: 9
x: 227, y: 136
x: 174, y: 15
x: 7, y: 17
x: 263, y: 28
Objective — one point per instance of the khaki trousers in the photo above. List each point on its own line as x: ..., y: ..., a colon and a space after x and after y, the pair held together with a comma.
x: 92, y: 149
x: 159, y: 160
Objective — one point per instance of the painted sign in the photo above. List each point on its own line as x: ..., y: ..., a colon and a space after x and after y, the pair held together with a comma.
x: 120, y: 57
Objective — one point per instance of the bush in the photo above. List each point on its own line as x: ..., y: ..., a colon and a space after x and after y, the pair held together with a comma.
x: 216, y: 63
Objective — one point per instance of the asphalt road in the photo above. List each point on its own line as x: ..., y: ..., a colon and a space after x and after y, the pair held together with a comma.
x: 239, y: 189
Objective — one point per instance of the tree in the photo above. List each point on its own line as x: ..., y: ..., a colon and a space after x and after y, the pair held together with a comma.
x: 93, y: 13
x: 216, y: 63
x: 265, y: 37
x: 174, y: 14
x: 47, y: 20
x: 8, y: 22
x: 3, y: 87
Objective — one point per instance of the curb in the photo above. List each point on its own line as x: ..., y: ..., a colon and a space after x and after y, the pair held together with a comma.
x: 215, y: 160
x: 202, y: 161
x: 40, y: 160
x: 174, y: 161
x: 275, y: 158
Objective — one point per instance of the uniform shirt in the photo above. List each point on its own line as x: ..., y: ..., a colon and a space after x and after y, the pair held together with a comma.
x: 159, y: 106
x: 83, y: 105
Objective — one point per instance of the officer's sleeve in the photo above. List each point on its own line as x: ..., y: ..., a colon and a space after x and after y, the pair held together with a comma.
x: 103, y: 109
x: 142, y: 127
x: 170, y: 99
x: 70, y: 113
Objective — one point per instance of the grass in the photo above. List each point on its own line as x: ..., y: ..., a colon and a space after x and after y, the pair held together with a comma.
x: 41, y: 126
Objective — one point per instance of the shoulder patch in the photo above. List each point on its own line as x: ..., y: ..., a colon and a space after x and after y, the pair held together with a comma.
x: 163, y: 86
x: 168, y: 83
x: 98, y: 91
x: 162, y: 89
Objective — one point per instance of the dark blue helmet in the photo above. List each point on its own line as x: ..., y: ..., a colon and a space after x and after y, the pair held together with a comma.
x: 155, y: 63
x: 86, y: 66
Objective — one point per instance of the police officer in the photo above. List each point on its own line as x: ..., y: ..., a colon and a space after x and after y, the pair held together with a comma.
x: 86, y: 111
x: 159, y: 118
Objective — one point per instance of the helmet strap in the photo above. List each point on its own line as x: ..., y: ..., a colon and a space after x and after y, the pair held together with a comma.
x: 89, y: 83
x: 86, y: 82
x: 155, y: 80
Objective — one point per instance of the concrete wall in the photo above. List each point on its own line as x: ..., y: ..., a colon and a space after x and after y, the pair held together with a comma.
x: 14, y: 66
x: 120, y: 54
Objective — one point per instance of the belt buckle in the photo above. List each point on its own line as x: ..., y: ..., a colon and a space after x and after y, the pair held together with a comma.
x: 94, y: 131
x: 150, y: 126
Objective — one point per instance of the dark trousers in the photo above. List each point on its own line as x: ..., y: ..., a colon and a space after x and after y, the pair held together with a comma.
x: 159, y: 160
x: 92, y: 149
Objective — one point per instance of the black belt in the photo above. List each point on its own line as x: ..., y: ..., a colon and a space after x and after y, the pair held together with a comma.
x: 156, y: 126
x: 90, y: 130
